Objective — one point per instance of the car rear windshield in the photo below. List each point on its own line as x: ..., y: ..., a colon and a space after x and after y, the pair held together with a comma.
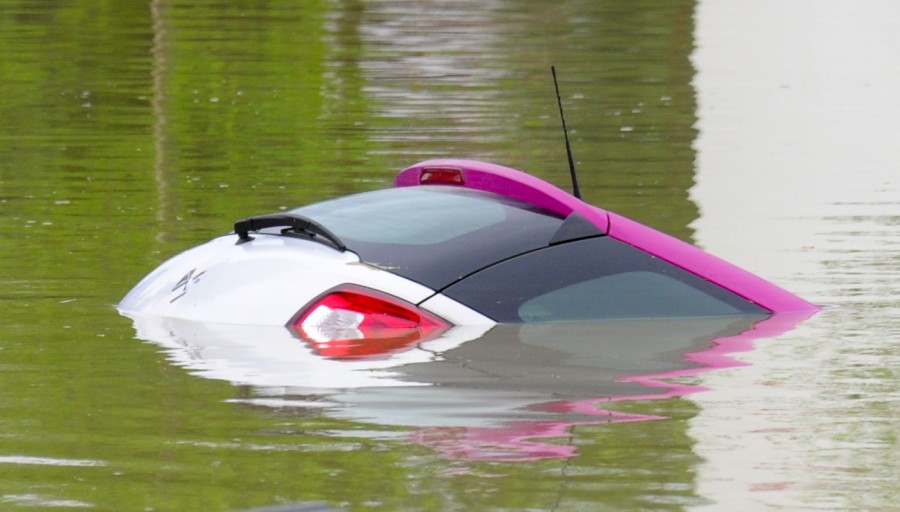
x: 434, y: 235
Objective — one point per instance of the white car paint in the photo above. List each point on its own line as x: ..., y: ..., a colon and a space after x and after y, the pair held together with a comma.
x: 266, y: 281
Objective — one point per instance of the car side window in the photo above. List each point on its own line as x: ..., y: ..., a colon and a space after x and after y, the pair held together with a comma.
x: 594, y: 278
x: 629, y: 294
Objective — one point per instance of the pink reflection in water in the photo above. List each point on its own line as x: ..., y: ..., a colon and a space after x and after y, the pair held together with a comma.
x: 521, y: 440
x: 516, y: 440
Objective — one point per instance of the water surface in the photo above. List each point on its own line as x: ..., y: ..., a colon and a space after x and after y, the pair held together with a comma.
x: 762, y: 132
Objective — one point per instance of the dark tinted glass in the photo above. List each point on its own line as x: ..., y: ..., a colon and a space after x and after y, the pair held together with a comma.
x: 592, y: 279
x: 434, y: 235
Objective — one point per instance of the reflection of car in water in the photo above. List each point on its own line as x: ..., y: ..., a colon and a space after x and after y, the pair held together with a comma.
x: 455, y: 243
x: 476, y: 392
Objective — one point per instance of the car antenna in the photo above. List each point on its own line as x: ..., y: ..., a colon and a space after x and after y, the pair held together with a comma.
x: 575, y: 191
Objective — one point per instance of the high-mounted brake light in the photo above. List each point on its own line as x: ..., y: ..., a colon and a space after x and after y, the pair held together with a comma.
x: 441, y: 176
x: 352, y: 322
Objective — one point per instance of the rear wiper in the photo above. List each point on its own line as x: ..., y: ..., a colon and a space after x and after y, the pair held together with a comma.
x: 299, y: 223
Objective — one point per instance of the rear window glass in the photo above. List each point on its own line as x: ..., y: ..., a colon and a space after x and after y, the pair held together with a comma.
x: 414, y: 216
x: 434, y: 235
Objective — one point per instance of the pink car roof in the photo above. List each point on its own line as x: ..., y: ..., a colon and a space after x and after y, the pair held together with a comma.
x: 518, y: 185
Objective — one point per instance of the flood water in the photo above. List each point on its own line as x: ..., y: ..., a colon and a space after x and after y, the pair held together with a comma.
x: 765, y: 132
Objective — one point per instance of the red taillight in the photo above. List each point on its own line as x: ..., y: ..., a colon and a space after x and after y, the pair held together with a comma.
x: 353, y: 322
x: 441, y: 176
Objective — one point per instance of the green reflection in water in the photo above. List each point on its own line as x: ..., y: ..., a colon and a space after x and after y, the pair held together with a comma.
x: 134, y: 130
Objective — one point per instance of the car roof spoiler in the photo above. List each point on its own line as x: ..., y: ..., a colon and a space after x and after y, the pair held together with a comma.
x: 524, y: 187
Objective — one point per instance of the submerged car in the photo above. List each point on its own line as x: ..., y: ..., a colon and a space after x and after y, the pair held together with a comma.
x: 453, y: 243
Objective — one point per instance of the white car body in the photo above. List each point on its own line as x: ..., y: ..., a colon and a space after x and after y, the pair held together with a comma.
x: 266, y: 282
